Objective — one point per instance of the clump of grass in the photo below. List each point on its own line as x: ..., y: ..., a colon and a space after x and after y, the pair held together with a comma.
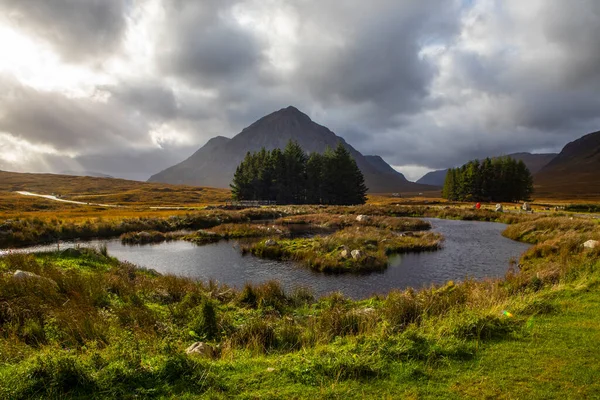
x: 148, y: 237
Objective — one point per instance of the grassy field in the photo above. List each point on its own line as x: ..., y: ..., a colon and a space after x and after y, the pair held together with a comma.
x: 92, y: 327
x: 89, y: 326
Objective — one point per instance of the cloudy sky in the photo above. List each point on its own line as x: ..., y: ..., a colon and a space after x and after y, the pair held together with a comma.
x: 129, y: 87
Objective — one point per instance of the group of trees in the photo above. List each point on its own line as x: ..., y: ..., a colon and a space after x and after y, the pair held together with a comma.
x: 498, y: 179
x: 293, y: 177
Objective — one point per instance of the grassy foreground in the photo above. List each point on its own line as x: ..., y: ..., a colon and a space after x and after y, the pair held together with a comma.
x: 93, y: 327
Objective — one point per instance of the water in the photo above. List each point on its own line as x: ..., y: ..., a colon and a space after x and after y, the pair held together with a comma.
x: 471, y: 249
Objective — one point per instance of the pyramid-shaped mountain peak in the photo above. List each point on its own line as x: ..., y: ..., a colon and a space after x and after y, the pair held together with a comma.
x: 214, y: 164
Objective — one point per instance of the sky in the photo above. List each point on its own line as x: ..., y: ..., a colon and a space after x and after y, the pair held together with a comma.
x: 130, y: 87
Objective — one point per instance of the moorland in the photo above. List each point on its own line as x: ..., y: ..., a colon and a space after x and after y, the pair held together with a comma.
x: 80, y: 323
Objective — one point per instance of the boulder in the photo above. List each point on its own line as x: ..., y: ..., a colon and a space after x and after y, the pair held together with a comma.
x: 356, y: 254
x: 499, y: 208
x: 26, y: 275
x: 344, y: 253
x: 72, y: 252
x: 203, y: 349
x: 591, y: 244
x: 270, y: 242
x: 362, y: 218
x: 144, y: 234
x: 526, y: 207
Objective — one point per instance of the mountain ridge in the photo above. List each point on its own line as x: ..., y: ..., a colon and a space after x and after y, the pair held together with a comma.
x: 574, y: 172
x: 214, y: 163
x: 533, y: 161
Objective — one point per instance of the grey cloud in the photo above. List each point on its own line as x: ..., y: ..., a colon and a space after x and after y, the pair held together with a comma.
x: 67, y: 124
x: 507, y: 80
x: 204, y: 45
x: 150, y: 98
x: 78, y: 30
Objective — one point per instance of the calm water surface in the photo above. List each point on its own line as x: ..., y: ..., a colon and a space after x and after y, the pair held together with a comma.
x: 471, y: 249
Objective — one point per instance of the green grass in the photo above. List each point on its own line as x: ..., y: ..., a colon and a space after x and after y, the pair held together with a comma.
x: 106, y: 329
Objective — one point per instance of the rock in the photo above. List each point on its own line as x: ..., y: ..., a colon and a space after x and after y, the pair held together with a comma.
x: 26, y: 275
x: 499, y: 208
x: 344, y: 253
x: 362, y: 218
x: 71, y: 252
x: 270, y: 242
x: 591, y: 244
x: 270, y: 369
x: 356, y: 254
x: 144, y: 234
x: 203, y: 349
x: 526, y: 207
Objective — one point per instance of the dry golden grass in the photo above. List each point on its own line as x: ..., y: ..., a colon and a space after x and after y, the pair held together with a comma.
x: 111, y: 191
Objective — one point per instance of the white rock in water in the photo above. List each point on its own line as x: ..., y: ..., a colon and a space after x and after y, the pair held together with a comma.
x: 356, y: 254
x: 202, y: 349
x: 591, y: 244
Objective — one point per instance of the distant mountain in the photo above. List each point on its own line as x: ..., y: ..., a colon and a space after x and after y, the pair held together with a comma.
x: 85, y: 173
x: 575, y: 172
x: 435, y: 178
x: 214, y: 164
x: 534, y: 163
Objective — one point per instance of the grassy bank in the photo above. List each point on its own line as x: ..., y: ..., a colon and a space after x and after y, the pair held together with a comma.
x: 93, y: 327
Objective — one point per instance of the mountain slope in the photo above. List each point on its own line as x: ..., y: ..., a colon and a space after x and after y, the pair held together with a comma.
x: 435, y: 178
x: 575, y: 172
x: 534, y: 163
x: 214, y: 164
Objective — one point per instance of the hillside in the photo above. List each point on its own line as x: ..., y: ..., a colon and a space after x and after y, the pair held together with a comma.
x: 215, y: 163
x: 109, y: 190
x: 534, y: 163
x: 574, y: 173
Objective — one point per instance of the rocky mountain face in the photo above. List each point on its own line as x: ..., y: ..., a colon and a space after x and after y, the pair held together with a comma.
x: 214, y: 164
x: 575, y: 172
x: 534, y: 163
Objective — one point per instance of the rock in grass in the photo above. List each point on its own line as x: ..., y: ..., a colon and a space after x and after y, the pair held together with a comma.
x: 72, y: 252
x: 26, y: 275
x: 201, y: 348
x: 362, y: 218
x: 356, y: 254
x: 499, y: 208
x: 344, y: 253
x: 270, y: 242
x: 591, y: 244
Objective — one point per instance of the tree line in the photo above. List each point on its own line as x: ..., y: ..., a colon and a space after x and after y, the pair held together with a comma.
x: 499, y: 179
x: 293, y: 177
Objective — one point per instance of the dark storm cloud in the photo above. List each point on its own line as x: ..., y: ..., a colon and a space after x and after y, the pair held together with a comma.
x: 204, y: 45
x: 377, y: 61
x: 78, y: 29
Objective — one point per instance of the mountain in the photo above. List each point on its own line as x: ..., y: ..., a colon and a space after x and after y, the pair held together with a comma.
x: 575, y: 172
x: 93, y: 174
x: 214, y: 164
x: 435, y: 178
x: 534, y: 163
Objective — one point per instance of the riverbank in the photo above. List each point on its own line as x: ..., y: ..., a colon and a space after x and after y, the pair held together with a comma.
x: 94, y: 327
